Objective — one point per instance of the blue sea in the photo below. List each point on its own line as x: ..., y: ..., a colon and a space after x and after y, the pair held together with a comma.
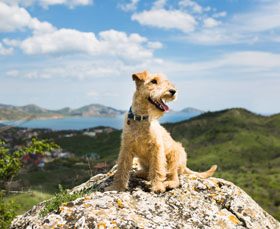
x: 78, y: 123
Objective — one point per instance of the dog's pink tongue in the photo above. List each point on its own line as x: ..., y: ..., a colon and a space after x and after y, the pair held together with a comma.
x: 165, y: 107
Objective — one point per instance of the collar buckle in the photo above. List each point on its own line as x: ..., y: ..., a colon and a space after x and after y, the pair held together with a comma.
x: 136, y: 117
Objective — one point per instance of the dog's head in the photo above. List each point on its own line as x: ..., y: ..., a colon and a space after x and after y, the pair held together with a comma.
x: 155, y: 90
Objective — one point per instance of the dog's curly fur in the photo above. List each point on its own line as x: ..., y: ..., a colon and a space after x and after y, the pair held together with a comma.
x: 161, y: 158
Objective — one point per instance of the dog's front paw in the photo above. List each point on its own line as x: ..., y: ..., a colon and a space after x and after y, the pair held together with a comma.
x: 171, y: 184
x: 158, y: 187
x: 115, y: 188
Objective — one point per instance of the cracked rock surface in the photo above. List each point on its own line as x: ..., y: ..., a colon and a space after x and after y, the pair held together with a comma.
x: 198, y: 203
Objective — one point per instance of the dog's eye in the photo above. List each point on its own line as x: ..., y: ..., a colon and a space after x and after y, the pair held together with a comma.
x: 154, y: 81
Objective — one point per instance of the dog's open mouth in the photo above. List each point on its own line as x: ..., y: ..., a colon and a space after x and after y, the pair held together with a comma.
x: 159, y: 104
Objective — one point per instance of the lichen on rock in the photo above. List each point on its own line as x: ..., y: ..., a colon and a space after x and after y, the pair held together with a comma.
x: 197, y: 203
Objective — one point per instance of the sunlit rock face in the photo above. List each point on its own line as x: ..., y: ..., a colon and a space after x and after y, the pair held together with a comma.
x: 198, y: 203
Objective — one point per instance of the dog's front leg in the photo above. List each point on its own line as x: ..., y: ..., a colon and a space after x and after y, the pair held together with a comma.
x: 124, y: 165
x: 157, y: 168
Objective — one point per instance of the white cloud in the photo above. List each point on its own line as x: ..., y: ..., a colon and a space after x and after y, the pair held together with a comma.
x: 14, y: 18
x: 95, y: 93
x: 159, y: 4
x: 11, y: 42
x: 254, y: 59
x: 263, y: 18
x: 155, y: 45
x: 60, y: 41
x: 92, y: 93
x: 47, y: 3
x: 261, y: 24
x: 4, y: 51
x: 39, y: 27
x: 189, y: 4
x: 215, y: 36
x: 108, y: 43
x: 225, y: 80
x: 207, y: 26
x: 120, y: 44
x: 166, y: 19
x: 234, y: 64
x: 13, y: 73
x: 210, y: 22
x: 220, y: 14
x: 46, y: 39
x: 69, y: 3
x: 188, y: 16
x: 80, y: 67
x: 275, y: 38
x: 131, y: 6
x: 228, y: 66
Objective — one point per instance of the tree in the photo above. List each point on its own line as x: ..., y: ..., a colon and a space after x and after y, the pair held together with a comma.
x: 10, y: 165
x: 10, y: 162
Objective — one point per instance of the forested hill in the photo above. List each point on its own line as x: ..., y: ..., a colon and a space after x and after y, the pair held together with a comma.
x: 245, y: 146
x: 9, y: 112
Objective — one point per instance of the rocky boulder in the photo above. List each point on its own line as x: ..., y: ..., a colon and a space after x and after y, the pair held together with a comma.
x: 198, y: 203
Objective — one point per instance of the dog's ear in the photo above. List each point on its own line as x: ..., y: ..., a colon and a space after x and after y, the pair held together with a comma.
x: 141, y: 76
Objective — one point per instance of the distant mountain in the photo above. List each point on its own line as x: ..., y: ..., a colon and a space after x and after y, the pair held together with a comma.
x: 90, y: 110
x: 5, y: 106
x: 34, y: 109
x: 192, y: 110
x: 64, y: 111
x: 96, y: 110
x: 10, y: 112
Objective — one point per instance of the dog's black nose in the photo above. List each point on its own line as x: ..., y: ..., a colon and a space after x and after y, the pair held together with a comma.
x: 172, y: 91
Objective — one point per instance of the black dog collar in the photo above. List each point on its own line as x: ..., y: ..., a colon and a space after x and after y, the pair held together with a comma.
x: 132, y: 116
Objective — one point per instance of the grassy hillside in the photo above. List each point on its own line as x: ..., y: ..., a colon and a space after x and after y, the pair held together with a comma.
x: 106, y: 145
x: 245, y: 146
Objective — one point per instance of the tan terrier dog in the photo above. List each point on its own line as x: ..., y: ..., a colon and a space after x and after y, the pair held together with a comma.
x: 160, y: 157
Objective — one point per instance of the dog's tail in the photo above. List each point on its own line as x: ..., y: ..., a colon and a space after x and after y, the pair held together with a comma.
x: 205, y: 174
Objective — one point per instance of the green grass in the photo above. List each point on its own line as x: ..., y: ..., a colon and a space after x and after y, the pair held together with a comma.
x: 26, y: 201
x: 67, y: 172
x: 61, y: 197
x: 41, y: 185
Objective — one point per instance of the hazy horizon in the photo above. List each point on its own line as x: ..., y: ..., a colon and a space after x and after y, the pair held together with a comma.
x: 126, y: 109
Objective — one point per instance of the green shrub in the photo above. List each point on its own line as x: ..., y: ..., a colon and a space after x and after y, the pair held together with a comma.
x: 7, y: 212
x: 10, y: 164
x: 62, y: 197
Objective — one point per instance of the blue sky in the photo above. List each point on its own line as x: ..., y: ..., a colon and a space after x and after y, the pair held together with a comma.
x: 219, y: 54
